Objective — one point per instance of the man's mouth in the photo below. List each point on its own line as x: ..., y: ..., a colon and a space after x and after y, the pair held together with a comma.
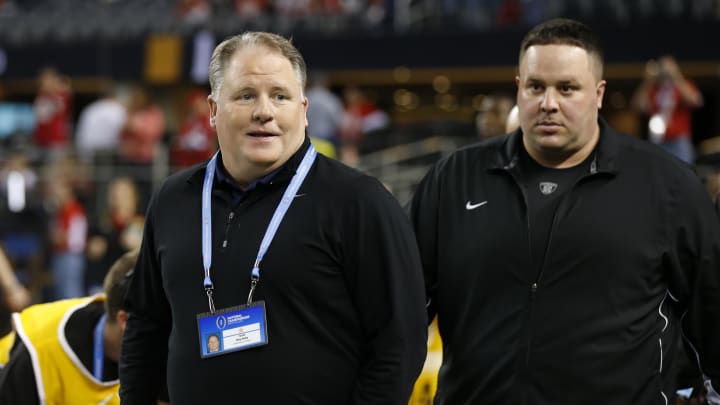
x: 548, y: 126
x: 260, y: 134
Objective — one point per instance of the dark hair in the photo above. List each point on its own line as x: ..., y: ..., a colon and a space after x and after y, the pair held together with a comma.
x: 116, y: 283
x: 563, y: 31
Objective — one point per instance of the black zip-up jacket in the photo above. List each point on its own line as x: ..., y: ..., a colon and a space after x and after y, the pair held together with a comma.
x: 633, y: 251
x: 341, y: 281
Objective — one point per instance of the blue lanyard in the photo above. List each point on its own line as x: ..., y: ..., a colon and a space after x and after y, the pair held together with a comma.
x: 99, y: 351
x: 277, y: 218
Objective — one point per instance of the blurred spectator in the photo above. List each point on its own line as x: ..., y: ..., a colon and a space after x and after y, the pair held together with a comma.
x: 492, y: 115
x: 143, y: 129
x: 68, y: 233
x: 23, y: 220
x: 195, y: 140
x: 291, y: 9
x: 140, y: 140
x: 117, y: 231
x: 99, y: 126
x: 7, y: 8
x: 193, y: 12
x: 377, y: 12
x: 325, y: 114
x: 477, y: 14
x: 327, y: 7
x: 17, y: 181
x: 361, y: 116
x: 251, y: 8
x: 53, y: 113
x: 509, y: 13
x: 668, y: 99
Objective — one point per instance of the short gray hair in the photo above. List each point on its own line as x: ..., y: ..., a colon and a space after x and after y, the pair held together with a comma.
x: 226, y: 49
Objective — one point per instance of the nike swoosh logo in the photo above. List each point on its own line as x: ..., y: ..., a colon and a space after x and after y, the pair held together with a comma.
x: 470, y: 206
x: 299, y: 195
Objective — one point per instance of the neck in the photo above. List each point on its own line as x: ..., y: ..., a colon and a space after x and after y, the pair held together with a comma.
x: 563, y: 159
x: 245, y: 176
x: 244, y: 172
x: 112, y: 341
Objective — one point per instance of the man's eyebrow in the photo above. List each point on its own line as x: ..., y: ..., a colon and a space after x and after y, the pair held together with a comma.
x: 243, y: 89
x: 556, y: 82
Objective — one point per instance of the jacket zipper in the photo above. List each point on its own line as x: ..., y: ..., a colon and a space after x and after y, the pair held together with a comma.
x: 227, y: 228
x: 535, y: 284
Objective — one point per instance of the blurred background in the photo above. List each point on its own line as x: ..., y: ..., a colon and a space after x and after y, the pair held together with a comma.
x: 102, y: 99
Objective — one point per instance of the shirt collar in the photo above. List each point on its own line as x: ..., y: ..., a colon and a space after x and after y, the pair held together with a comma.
x: 280, y: 175
x: 223, y: 178
x: 604, y: 154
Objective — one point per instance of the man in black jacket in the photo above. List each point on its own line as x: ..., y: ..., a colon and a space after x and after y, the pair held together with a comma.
x: 564, y: 259
x: 307, y: 270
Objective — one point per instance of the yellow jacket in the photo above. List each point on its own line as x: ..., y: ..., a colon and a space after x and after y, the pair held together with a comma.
x: 6, y: 343
x: 426, y: 384
x: 60, y: 376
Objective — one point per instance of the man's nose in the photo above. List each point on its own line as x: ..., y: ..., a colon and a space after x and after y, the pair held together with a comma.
x: 263, y: 109
x: 549, y: 101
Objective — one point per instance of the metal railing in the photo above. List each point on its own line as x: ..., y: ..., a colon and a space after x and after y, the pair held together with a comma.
x: 400, y: 168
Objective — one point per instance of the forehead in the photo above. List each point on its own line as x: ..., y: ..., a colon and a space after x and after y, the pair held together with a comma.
x: 255, y: 62
x: 558, y: 61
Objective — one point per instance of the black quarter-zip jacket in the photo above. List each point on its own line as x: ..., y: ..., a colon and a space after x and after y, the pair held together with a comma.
x: 634, y: 246
x: 341, y: 281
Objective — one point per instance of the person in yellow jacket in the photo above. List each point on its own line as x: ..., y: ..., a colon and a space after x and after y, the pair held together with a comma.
x: 426, y: 384
x: 66, y: 352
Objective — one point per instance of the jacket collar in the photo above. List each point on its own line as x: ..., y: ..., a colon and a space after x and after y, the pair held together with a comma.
x: 604, y: 155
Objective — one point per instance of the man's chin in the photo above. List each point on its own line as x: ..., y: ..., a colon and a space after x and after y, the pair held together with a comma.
x: 557, y: 141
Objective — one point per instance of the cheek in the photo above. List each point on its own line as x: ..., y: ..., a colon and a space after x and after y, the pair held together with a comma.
x: 582, y: 110
x: 526, y: 110
x: 527, y: 102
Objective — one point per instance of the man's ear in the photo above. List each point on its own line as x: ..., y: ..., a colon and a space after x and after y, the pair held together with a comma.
x: 213, y: 110
x: 121, y: 318
x: 600, y: 93
x: 306, y: 103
